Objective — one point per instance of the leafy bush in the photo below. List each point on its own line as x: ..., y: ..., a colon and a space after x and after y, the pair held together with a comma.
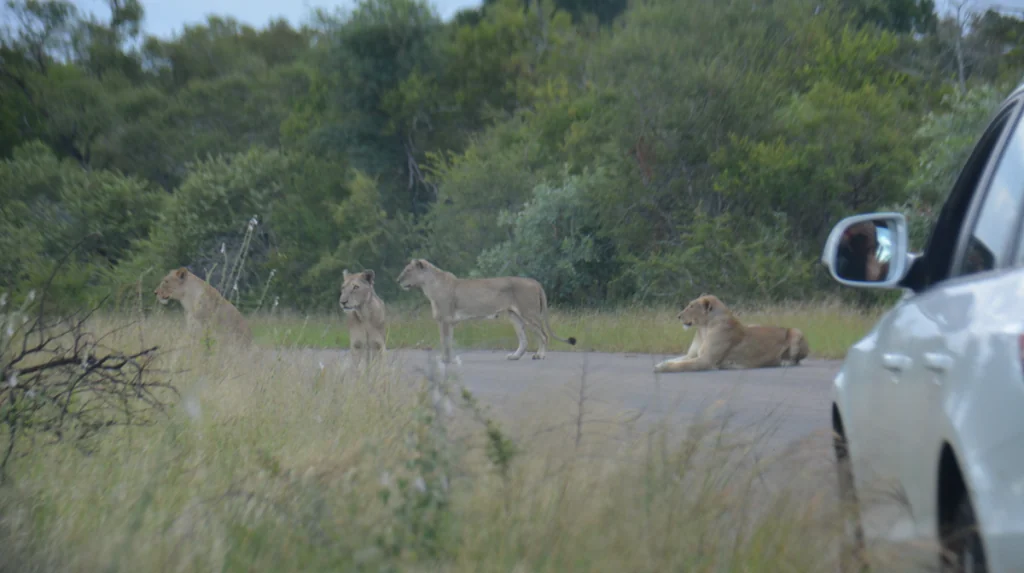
x: 734, y: 258
x: 554, y: 240
x: 313, y: 216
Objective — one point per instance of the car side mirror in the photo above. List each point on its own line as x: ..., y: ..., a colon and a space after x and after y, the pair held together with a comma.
x: 870, y: 250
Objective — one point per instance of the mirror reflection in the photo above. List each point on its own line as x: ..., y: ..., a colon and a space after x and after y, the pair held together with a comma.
x: 865, y: 251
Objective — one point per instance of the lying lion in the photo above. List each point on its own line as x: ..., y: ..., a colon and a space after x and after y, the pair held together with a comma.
x: 722, y: 341
x: 367, y: 331
x: 203, y: 305
x: 453, y: 300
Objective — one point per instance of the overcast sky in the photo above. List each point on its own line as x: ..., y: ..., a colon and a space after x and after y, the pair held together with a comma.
x: 166, y: 17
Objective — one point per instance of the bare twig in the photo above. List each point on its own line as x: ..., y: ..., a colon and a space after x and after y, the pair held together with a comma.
x: 62, y: 380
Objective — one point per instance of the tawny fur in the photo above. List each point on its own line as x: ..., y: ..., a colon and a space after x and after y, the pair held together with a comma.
x: 367, y: 324
x: 453, y: 300
x: 722, y: 341
x: 204, y: 306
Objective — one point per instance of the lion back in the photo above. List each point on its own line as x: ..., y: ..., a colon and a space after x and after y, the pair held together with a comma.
x: 219, y: 309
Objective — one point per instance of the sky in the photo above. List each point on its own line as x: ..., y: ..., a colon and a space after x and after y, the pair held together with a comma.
x: 167, y: 17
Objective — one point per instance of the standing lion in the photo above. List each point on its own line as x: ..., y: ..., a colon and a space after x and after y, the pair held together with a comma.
x: 722, y: 341
x: 453, y: 300
x: 204, y: 306
x: 367, y: 330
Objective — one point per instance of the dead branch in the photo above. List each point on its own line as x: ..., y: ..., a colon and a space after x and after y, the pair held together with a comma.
x: 57, y: 377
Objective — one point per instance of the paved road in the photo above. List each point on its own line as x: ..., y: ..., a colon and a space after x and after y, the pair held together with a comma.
x: 795, y: 400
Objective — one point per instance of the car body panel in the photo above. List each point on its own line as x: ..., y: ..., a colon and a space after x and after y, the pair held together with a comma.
x: 897, y: 424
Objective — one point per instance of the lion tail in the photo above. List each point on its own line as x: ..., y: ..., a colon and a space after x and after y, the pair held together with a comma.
x: 544, y: 313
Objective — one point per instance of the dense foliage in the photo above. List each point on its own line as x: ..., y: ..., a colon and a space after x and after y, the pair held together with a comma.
x: 644, y: 151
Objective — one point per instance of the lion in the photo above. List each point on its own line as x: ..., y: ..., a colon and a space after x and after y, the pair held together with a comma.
x: 203, y: 305
x: 367, y: 330
x: 722, y: 341
x: 453, y: 300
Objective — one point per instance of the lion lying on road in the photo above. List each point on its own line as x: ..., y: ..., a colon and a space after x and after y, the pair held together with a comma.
x: 367, y: 330
x: 453, y: 300
x: 722, y: 341
x: 203, y: 305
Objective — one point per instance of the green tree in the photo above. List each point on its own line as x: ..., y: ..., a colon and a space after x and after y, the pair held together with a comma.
x: 305, y: 209
x: 49, y: 205
x: 947, y: 139
x: 377, y: 104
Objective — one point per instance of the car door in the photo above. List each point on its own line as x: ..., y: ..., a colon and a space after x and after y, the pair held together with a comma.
x: 929, y: 344
x: 880, y: 419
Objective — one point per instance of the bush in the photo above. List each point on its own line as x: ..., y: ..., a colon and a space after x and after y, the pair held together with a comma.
x: 734, y: 258
x: 554, y: 240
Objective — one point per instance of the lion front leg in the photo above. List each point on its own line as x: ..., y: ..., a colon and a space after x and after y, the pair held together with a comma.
x: 698, y: 341
x: 376, y: 349
x: 356, y: 349
x: 684, y: 364
x: 517, y: 323
x: 692, y: 354
x: 368, y: 352
x: 446, y: 341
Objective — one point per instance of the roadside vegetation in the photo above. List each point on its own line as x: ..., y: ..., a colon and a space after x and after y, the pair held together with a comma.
x: 288, y: 461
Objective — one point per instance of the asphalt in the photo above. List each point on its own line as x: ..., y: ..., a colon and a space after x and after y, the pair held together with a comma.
x: 794, y: 400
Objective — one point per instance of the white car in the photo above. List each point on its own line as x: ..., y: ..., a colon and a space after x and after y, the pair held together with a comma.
x: 933, y: 397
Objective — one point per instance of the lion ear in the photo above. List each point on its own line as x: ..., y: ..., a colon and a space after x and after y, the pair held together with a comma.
x: 419, y: 263
x: 707, y: 305
x: 368, y: 274
x: 181, y: 273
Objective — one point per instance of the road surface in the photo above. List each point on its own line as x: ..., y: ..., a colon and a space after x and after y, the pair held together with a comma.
x: 794, y: 400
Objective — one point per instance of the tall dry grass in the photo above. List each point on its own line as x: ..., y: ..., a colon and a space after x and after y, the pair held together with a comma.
x: 283, y: 460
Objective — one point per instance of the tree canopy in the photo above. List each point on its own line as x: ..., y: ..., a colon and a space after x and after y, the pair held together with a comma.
x: 617, y: 151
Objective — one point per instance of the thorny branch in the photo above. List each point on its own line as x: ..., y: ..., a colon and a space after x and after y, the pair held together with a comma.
x: 58, y: 378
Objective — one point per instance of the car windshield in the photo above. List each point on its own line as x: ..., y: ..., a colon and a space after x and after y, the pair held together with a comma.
x: 884, y: 250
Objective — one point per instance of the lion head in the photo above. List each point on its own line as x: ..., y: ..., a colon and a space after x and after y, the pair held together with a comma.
x: 356, y: 290
x: 172, y: 286
x: 700, y: 310
x: 414, y: 274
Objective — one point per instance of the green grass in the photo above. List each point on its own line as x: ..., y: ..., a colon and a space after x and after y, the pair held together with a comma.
x: 830, y: 328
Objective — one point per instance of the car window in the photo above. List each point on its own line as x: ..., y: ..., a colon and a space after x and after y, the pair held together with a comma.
x: 994, y: 230
x: 940, y: 260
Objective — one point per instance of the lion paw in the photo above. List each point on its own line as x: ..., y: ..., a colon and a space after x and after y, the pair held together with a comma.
x: 513, y: 356
x: 538, y: 357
